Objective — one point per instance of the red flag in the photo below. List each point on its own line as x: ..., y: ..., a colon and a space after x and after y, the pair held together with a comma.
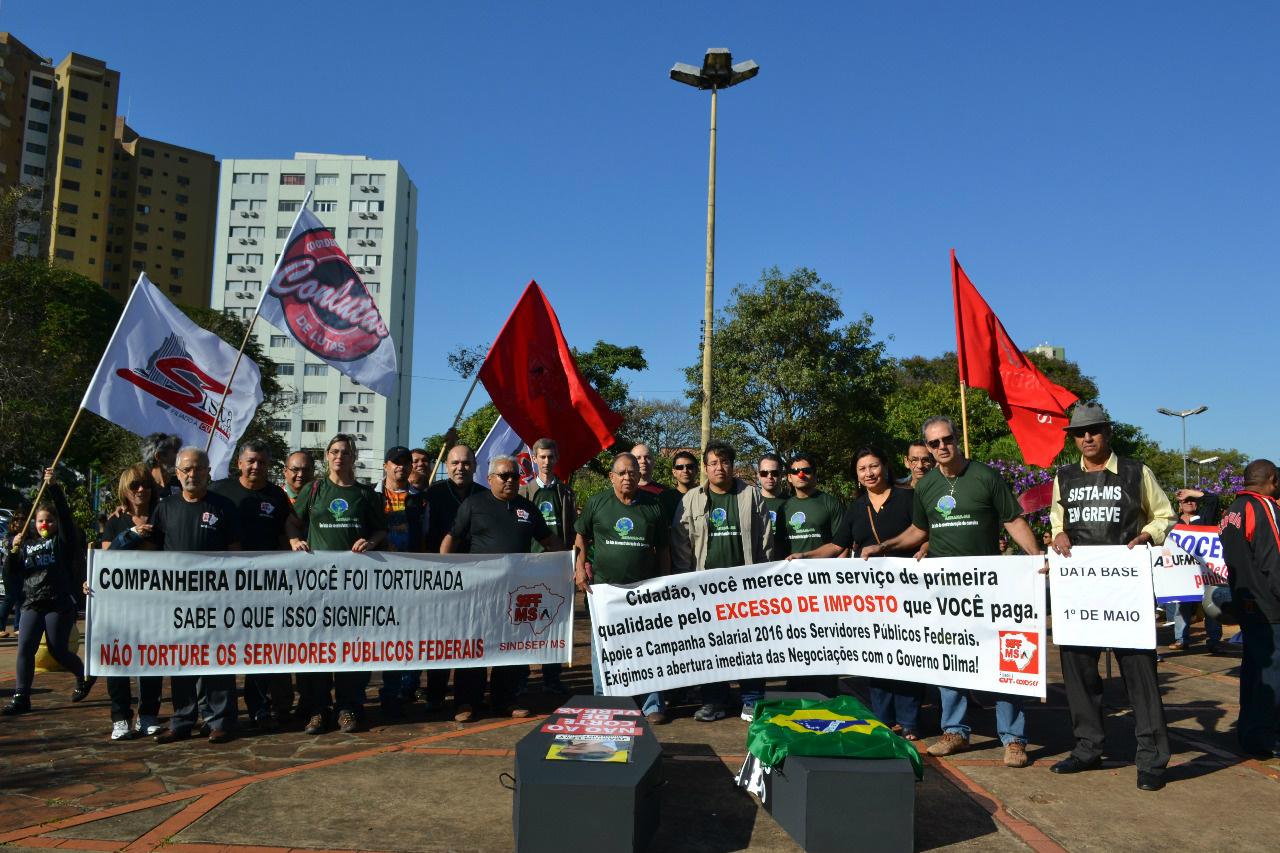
x: 1034, y: 407
x: 1036, y: 497
x: 532, y: 378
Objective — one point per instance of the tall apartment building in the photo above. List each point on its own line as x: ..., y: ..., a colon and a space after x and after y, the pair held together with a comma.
x: 371, y: 207
x: 106, y: 203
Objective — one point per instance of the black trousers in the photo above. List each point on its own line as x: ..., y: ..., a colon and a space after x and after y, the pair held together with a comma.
x: 218, y: 693
x: 468, y: 685
x: 121, y: 693
x: 1084, y: 698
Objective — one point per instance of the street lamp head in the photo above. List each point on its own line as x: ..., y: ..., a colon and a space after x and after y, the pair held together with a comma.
x: 1207, y: 461
x: 1198, y: 410
x: 1186, y: 413
x: 1169, y: 413
x: 717, y: 71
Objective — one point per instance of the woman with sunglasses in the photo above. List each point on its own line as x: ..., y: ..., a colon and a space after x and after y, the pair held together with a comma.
x: 129, y: 530
x: 880, y: 512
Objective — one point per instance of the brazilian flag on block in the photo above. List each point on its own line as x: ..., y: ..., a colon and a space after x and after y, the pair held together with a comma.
x: 832, y: 728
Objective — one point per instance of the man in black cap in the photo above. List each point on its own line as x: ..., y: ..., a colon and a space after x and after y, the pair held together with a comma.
x: 1107, y: 500
x: 405, y: 510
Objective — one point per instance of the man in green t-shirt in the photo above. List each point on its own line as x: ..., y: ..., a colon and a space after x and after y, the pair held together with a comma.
x: 559, y: 508
x: 721, y: 524
x: 684, y: 470
x: 631, y: 536
x: 960, y: 507
x: 337, y: 513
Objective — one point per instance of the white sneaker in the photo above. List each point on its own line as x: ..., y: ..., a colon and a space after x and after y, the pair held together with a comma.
x: 148, y: 726
x: 748, y: 711
x: 120, y: 730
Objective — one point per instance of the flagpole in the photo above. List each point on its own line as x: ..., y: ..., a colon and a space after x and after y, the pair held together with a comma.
x: 213, y: 429
x: 960, y: 353
x: 53, y: 464
x: 964, y: 419
x: 445, y: 444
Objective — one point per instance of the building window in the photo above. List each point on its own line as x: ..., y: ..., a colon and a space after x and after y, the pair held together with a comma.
x: 314, y: 398
x: 236, y: 258
x: 33, y: 171
x: 377, y: 180
x: 315, y: 370
x: 73, y: 139
x: 139, y: 246
x: 180, y: 198
x: 64, y: 254
x: 73, y: 162
x: 289, y: 206
x: 144, y: 208
x: 326, y: 180
x: 68, y: 207
x: 280, y: 341
x: 373, y: 287
x: 175, y: 288
x: 70, y: 185
x: 177, y: 253
x: 178, y: 235
x: 66, y: 231
x: 36, y: 148
x: 38, y: 126
x: 357, y: 179
x: 76, y: 94
x: 76, y: 117
x: 374, y: 234
x: 142, y: 228
x: 281, y: 425
x: 233, y: 284
x: 293, y: 180
x: 249, y: 178
x: 145, y: 171
x: 144, y: 190
x: 253, y: 259
x: 183, y: 181
x: 284, y: 369
x: 179, y: 217
x: 42, y: 82
x: 43, y: 106
x: 313, y: 426
x: 239, y: 231
x: 324, y: 206
x: 254, y: 231
x: 282, y: 231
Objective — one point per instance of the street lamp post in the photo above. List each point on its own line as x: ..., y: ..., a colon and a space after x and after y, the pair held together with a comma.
x: 717, y: 72
x: 1200, y: 463
x: 1184, y: 415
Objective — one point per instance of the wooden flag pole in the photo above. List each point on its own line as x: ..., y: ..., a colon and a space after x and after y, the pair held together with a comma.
x: 53, y: 464
x: 444, y: 446
x: 227, y: 388
x: 964, y: 420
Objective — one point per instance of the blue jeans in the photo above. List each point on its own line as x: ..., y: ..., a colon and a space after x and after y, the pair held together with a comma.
x: 897, y: 702
x: 1011, y: 722
x: 400, y: 684
x: 1182, y: 617
x: 649, y: 704
x: 1259, y: 685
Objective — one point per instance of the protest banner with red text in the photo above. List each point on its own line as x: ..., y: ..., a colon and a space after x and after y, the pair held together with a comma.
x: 1189, y: 559
x: 167, y: 613
x: 973, y: 622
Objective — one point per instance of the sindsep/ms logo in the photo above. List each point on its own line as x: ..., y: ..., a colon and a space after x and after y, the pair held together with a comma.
x: 1019, y: 652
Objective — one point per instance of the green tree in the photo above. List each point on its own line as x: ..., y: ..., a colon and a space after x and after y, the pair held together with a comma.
x: 790, y: 370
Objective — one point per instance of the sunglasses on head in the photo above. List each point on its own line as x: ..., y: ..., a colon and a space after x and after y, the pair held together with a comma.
x: 687, y: 466
x: 802, y: 472
x: 947, y: 440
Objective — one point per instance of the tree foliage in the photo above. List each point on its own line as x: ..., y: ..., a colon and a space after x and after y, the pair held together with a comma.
x: 789, y: 369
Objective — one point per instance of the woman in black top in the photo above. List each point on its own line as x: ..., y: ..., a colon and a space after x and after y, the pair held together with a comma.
x: 129, y: 530
x: 879, y: 513
x: 44, y: 558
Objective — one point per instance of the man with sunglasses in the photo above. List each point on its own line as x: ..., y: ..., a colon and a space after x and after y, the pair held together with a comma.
x: 1106, y: 500
x: 684, y: 470
x: 498, y: 521
x: 960, y: 507
x: 771, y: 480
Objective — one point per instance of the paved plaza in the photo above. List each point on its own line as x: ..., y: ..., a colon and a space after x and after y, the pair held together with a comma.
x: 427, y: 784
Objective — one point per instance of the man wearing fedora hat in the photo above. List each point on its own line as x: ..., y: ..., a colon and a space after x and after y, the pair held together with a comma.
x: 1106, y: 500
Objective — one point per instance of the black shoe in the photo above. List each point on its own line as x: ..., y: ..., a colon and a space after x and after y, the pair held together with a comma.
x: 83, y: 686
x: 20, y: 704
x: 1149, y: 781
x: 393, y: 709
x: 1071, y: 764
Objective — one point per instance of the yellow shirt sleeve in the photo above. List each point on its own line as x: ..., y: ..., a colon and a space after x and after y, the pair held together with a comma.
x: 1055, y: 511
x: 1156, y: 504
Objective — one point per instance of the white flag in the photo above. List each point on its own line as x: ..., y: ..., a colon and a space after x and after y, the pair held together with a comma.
x: 163, y: 373
x: 316, y: 296
x: 503, y: 441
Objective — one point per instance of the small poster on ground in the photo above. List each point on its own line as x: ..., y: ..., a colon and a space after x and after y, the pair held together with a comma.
x: 605, y: 749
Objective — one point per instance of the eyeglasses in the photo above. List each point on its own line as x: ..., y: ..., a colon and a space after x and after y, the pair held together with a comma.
x: 627, y: 472
x: 802, y: 472
x: 133, y: 486
x: 688, y: 466
x: 771, y: 473
x: 192, y: 469
x: 298, y: 470
x: 1081, y: 432
x: 946, y: 440
x: 507, y: 477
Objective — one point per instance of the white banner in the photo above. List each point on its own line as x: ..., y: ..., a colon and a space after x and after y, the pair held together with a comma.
x: 163, y: 373
x: 1101, y: 597
x: 316, y: 296
x: 973, y: 622
x: 1190, y: 558
x: 168, y: 613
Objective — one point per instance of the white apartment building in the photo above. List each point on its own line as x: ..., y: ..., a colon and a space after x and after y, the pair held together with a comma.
x: 371, y: 207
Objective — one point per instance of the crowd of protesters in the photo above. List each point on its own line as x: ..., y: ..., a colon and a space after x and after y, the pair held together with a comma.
x: 779, y: 512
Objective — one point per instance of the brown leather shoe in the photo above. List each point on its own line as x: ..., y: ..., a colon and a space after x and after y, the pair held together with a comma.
x: 1015, y: 754
x: 656, y: 718
x: 1177, y: 646
x: 219, y: 736
x: 949, y: 744
x: 173, y: 735
x: 464, y: 715
x: 519, y: 713
x: 316, y: 725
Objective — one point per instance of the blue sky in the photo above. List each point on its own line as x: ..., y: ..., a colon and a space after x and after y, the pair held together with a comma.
x: 1105, y: 171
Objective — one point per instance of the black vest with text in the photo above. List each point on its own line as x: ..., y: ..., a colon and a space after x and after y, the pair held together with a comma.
x: 1101, y: 508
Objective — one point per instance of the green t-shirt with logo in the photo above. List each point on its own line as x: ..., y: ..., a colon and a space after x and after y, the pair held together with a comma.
x: 810, y: 522
x: 773, y: 508
x: 547, y: 500
x: 963, y: 515
x: 336, y: 517
x: 724, y: 548
x: 624, y: 536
